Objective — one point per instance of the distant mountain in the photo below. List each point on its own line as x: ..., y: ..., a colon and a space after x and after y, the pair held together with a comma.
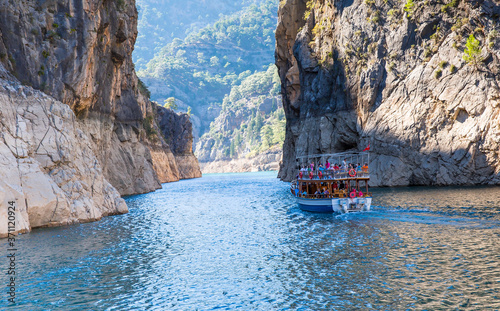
x: 201, y: 69
x: 223, y: 75
x: 160, y: 21
x: 251, y: 122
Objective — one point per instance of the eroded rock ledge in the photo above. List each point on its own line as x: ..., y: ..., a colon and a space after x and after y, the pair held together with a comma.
x: 370, y: 72
x: 47, y: 165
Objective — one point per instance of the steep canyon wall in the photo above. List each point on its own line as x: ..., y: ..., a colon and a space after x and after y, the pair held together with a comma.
x: 70, y: 62
x: 393, y: 75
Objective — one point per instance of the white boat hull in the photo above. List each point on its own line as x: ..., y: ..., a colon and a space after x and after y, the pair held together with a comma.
x: 343, y: 205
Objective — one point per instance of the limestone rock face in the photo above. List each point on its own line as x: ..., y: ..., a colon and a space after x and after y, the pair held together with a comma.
x: 47, y: 165
x: 68, y: 153
x: 177, y: 130
x: 80, y: 53
x: 368, y: 72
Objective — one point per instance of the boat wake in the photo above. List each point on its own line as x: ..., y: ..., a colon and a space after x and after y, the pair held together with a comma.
x: 480, y: 220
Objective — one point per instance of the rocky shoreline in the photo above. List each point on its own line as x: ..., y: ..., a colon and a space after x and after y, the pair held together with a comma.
x: 268, y: 161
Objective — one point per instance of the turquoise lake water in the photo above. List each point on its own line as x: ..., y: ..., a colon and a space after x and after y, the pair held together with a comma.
x: 238, y: 241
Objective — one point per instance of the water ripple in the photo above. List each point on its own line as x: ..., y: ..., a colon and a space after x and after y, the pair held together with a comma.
x: 238, y: 241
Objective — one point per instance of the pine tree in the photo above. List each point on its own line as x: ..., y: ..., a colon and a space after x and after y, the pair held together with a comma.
x: 258, y: 122
x: 472, y: 50
x: 231, y: 149
x: 170, y: 103
x: 238, y: 139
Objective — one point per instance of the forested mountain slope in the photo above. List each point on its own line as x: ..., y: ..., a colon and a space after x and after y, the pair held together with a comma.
x: 158, y: 25
x: 251, y: 126
x: 220, y: 71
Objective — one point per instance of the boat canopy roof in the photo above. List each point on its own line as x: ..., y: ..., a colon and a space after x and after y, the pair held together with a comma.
x: 346, y: 154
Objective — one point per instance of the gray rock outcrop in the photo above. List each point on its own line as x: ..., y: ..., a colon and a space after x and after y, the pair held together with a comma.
x: 178, y: 131
x: 47, y: 165
x: 372, y: 72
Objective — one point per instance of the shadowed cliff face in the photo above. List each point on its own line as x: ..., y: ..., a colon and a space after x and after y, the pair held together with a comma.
x: 79, y: 52
x: 361, y: 72
x: 76, y: 51
x: 178, y: 132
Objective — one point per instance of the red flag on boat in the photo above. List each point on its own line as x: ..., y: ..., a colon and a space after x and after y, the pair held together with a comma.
x: 367, y: 148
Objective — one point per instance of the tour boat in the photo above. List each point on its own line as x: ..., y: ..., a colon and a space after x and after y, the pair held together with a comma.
x: 335, y: 186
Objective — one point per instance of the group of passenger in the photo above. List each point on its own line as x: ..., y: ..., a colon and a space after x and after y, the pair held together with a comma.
x: 330, y: 169
x: 320, y: 193
x: 321, y: 190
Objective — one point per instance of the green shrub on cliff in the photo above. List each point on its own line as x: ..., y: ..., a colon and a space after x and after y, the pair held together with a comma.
x: 452, y: 4
x: 170, y: 103
x: 143, y: 88
x: 472, y: 52
x: 147, y: 123
x: 438, y: 73
x: 309, y: 6
x: 409, y: 6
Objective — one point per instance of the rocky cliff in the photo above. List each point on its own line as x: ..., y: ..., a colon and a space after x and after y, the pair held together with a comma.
x: 79, y: 54
x: 249, y: 132
x: 418, y: 81
x: 178, y: 132
x: 47, y: 163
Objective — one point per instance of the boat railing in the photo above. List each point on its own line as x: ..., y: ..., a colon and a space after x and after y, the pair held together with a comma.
x: 336, y: 195
x: 334, y: 174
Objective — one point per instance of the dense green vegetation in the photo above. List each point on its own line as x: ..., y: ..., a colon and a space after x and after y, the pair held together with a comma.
x: 251, y: 120
x: 201, y: 69
x: 221, y: 73
x: 160, y: 21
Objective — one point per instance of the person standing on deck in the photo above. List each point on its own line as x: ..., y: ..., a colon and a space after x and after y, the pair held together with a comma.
x: 365, y: 168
